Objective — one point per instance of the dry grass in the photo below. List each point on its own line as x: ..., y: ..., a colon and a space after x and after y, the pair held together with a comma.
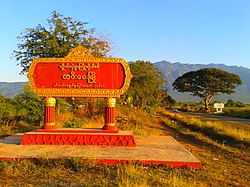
x: 139, y: 122
x: 214, y: 129
x: 73, y: 172
x: 7, y: 127
x: 137, y: 175
x: 222, y: 164
x: 243, y: 112
x: 242, y: 134
x: 62, y: 118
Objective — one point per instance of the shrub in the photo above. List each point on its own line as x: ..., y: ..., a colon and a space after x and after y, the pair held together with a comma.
x: 30, y: 106
x: 7, y: 111
x: 75, y: 123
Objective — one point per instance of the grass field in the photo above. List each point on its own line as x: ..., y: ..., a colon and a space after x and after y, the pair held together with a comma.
x: 225, y: 157
x: 242, y: 112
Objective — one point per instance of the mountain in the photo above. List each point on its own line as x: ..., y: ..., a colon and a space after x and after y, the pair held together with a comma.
x: 11, y: 89
x: 173, y: 70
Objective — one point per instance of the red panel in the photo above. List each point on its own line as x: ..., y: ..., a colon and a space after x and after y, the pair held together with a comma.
x: 106, y: 76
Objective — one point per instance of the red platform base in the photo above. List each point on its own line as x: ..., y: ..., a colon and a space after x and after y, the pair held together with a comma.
x: 79, y: 137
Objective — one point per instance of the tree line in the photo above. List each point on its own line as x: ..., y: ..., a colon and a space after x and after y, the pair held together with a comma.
x: 147, y: 86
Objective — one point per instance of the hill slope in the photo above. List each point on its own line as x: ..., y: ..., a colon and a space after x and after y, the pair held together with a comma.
x: 173, y: 70
x: 11, y: 89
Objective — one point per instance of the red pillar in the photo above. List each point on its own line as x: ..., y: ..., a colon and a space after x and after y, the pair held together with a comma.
x: 49, y: 113
x: 110, y: 115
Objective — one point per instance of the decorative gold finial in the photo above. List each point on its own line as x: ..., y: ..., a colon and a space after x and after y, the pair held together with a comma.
x: 79, y: 51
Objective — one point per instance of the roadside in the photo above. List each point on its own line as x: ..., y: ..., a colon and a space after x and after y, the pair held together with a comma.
x: 214, y: 117
x: 222, y: 164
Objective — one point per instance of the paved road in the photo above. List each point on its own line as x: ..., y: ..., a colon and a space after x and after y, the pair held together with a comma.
x: 211, y: 117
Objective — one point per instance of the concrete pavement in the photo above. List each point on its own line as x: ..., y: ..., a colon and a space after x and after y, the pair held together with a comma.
x: 149, y: 149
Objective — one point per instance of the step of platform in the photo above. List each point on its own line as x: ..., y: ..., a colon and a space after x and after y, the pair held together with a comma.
x: 79, y: 137
x: 159, y: 150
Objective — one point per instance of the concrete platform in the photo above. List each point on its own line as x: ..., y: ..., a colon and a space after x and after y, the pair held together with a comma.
x: 149, y: 150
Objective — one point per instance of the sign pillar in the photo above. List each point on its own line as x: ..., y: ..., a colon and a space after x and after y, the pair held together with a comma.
x: 49, y: 113
x: 110, y: 115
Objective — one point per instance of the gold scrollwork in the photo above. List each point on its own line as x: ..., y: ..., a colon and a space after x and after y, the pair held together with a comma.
x: 79, y: 51
x: 79, y: 55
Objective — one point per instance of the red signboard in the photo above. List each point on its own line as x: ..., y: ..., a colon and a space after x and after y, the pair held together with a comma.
x: 79, y: 75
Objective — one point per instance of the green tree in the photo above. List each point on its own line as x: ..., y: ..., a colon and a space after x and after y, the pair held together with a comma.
x: 240, y: 104
x: 30, y: 107
x: 7, y: 108
x: 230, y: 103
x: 206, y: 83
x: 57, y: 39
x: 147, y: 86
x: 62, y: 34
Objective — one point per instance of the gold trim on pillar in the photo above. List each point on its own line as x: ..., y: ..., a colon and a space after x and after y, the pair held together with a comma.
x: 50, y: 101
x: 49, y: 124
x: 110, y: 124
x: 111, y: 102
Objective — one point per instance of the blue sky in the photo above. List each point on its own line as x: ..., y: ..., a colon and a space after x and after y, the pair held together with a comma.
x: 186, y: 31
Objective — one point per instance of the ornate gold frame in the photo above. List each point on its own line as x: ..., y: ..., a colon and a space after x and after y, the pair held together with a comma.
x: 79, y: 54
